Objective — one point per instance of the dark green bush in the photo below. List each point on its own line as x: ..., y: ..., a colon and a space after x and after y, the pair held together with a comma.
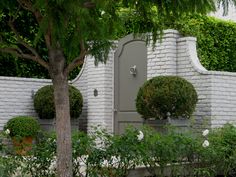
x: 216, y: 40
x: 165, y: 95
x: 22, y: 126
x: 44, y: 102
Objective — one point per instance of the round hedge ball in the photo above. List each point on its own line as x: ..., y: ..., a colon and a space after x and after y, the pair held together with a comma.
x: 44, y: 102
x: 165, y: 96
x: 22, y: 126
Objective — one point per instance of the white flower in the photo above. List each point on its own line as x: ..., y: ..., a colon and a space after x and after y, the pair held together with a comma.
x: 205, y: 132
x: 103, y: 12
x: 105, y: 163
x: 7, y: 132
x: 205, y: 143
x: 140, y: 136
x: 53, y: 165
x: 115, y: 160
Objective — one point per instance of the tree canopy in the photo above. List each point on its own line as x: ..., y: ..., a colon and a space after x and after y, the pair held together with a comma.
x: 80, y: 27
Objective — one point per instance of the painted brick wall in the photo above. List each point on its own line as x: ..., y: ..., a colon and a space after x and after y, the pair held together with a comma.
x: 223, y: 98
x: 162, y: 59
x: 172, y: 57
x: 16, y: 97
x: 190, y: 68
x: 230, y: 16
x: 175, y: 55
x: 98, y: 108
x: 82, y: 85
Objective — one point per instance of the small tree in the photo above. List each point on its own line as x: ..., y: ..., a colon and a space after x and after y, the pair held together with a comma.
x: 70, y: 30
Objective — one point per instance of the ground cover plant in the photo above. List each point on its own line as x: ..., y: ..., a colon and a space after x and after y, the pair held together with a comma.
x: 102, y: 154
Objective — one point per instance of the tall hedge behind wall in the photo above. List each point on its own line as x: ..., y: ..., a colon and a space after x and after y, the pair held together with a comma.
x: 216, y: 40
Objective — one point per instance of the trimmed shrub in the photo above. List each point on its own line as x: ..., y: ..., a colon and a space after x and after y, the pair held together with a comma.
x: 22, y: 126
x: 165, y: 95
x: 44, y: 102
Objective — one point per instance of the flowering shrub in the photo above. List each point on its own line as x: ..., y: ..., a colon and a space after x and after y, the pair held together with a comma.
x: 102, y: 154
x: 219, y: 151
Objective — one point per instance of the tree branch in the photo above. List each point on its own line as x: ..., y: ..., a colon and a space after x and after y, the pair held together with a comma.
x: 20, y: 40
x: 17, y: 52
x: 27, y: 5
x: 36, y: 56
x: 89, y: 5
x: 76, y: 62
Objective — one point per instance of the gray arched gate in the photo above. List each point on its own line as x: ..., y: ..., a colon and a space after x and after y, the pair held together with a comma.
x: 130, y: 73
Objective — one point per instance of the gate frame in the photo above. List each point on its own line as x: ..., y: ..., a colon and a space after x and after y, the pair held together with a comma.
x: 117, y: 53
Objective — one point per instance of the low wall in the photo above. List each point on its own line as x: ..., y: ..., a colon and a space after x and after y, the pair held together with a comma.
x: 217, y: 90
x: 16, y: 97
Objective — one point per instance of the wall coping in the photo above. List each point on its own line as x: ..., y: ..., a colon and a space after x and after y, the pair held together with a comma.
x: 25, y: 79
x: 81, y: 71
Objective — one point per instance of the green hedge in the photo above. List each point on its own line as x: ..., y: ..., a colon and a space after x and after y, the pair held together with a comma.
x: 163, y: 95
x: 22, y: 126
x: 216, y: 40
x: 44, y: 102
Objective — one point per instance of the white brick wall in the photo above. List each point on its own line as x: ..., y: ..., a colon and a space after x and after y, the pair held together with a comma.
x: 162, y: 59
x: 98, y: 108
x: 175, y: 55
x: 230, y: 16
x: 223, y: 98
x: 16, y: 97
x: 217, y: 90
x: 82, y: 86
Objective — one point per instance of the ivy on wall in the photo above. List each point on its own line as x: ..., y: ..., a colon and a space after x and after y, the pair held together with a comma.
x: 216, y: 40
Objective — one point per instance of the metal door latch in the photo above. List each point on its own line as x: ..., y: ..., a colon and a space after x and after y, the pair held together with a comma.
x: 133, y: 70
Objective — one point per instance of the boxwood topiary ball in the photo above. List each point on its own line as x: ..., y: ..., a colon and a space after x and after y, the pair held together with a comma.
x: 165, y: 95
x: 44, y: 102
x: 22, y: 126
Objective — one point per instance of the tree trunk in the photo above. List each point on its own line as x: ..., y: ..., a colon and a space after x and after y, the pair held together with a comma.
x: 62, y: 106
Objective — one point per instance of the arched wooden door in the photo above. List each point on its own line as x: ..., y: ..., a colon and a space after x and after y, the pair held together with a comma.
x: 130, y: 73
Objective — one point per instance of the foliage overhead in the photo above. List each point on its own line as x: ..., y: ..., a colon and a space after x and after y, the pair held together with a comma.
x: 31, y: 27
x: 109, y: 19
x: 165, y: 95
x: 44, y: 102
